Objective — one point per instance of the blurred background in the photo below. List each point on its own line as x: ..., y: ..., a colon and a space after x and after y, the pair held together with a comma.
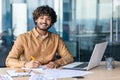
x: 81, y: 24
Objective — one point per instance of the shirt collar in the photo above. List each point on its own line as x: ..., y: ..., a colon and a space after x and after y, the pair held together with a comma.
x: 38, y: 35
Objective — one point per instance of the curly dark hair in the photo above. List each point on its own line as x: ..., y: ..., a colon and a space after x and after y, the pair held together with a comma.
x: 45, y: 10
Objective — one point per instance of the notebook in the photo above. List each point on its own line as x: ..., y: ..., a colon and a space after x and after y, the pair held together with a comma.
x: 94, y: 61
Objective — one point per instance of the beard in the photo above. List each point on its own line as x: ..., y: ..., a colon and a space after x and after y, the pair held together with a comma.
x: 43, y: 26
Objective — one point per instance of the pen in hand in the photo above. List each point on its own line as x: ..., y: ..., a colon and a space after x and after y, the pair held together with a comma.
x: 32, y: 58
x: 33, y: 63
x: 36, y: 62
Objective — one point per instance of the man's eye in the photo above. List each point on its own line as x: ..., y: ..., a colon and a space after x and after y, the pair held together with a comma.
x: 48, y: 19
x: 41, y: 18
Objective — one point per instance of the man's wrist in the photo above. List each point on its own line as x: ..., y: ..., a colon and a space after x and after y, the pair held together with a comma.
x: 56, y: 64
x: 24, y: 65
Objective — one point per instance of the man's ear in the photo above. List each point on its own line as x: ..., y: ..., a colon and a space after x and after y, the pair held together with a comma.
x: 36, y: 21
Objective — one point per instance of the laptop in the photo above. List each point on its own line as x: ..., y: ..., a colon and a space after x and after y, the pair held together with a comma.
x: 94, y: 61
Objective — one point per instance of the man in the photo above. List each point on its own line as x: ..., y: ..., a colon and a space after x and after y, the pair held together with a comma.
x: 39, y: 46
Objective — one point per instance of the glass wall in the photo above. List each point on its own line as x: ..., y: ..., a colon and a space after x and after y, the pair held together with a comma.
x: 19, y: 23
x: 90, y: 22
x: 0, y: 16
x: 82, y: 22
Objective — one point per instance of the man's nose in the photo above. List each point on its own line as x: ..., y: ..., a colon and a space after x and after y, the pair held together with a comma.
x: 44, y: 20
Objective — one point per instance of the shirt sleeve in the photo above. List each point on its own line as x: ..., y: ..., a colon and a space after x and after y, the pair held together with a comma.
x: 13, y: 58
x: 66, y: 56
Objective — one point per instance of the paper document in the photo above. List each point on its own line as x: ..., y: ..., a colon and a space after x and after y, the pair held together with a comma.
x: 63, y: 73
x: 25, y: 71
x: 14, y: 73
x: 41, y: 68
x: 40, y: 77
x: 5, y: 77
x: 52, y: 74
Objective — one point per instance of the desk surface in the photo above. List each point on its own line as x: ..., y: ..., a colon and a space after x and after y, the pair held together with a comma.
x: 99, y: 73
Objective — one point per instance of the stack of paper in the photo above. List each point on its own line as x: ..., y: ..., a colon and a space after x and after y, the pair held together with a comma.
x: 14, y: 73
x: 53, y: 74
x: 39, y: 77
x: 5, y: 77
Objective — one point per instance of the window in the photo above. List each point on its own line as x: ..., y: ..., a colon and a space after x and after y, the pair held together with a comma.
x: 0, y: 16
x: 19, y: 23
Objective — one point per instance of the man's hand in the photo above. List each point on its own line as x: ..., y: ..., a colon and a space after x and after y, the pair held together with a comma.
x: 32, y: 64
x: 52, y: 65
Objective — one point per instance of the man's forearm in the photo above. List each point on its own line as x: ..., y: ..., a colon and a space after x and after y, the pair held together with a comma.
x: 14, y: 63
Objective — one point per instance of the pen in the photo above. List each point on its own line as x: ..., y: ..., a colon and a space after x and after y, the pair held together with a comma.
x: 32, y: 58
x: 78, y: 77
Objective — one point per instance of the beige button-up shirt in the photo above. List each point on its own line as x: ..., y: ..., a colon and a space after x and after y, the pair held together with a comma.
x: 43, y: 49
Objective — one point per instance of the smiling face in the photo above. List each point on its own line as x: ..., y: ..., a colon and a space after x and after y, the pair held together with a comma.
x: 44, y: 22
x: 44, y: 17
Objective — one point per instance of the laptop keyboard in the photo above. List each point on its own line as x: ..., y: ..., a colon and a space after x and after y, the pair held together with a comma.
x: 82, y: 65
